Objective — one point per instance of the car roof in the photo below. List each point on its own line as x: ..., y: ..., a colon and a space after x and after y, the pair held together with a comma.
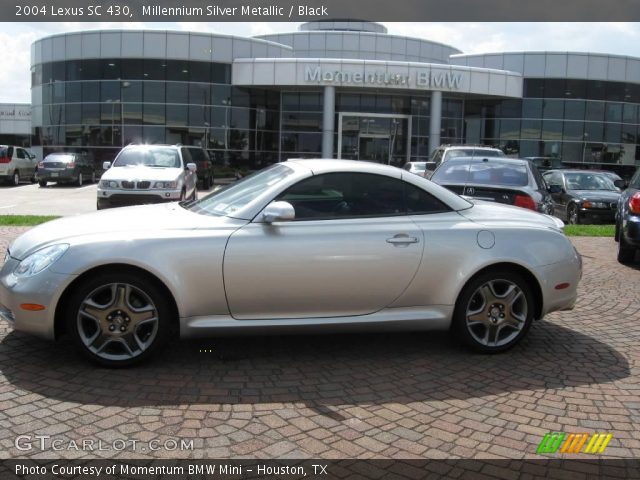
x: 488, y: 160
x: 323, y: 165
x: 470, y: 147
x: 575, y: 170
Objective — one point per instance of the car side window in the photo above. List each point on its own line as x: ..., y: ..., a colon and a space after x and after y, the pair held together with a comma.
x: 419, y: 202
x: 20, y: 153
x: 635, y: 180
x: 554, y: 178
x: 346, y: 195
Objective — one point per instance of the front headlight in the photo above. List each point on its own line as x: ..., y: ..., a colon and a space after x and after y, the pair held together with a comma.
x: 594, y: 204
x: 108, y: 184
x: 165, y: 185
x: 39, y: 260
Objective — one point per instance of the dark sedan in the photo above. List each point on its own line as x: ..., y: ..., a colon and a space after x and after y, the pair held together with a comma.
x: 66, y: 168
x: 502, y: 180
x: 583, y: 196
x: 628, y: 221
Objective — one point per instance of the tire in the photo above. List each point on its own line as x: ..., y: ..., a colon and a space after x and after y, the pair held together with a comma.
x: 616, y: 235
x: 494, y: 305
x: 34, y: 179
x: 210, y: 183
x: 15, y: 179
x: 42, y: 183
x: 119, y: 319
x: 626, y: 252
x: 573, y: 216
x: 80, y: 180
x: 183, y: 195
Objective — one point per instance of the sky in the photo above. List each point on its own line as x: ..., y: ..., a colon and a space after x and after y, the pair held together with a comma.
x: 616, y: 38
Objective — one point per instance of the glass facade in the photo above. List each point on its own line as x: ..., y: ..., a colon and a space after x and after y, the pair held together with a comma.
x: 100, y: 105
x: 577, y: 121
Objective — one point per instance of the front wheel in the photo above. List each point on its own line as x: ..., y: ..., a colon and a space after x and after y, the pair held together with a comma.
x: 573, y: 217
x: 118, y: 319
x: 42, y: 183
x: 80, y: 180
x: 494, y: 312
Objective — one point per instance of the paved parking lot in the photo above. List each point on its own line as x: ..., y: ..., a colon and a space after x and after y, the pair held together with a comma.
x: 31, y: 199
x: 377, y: 395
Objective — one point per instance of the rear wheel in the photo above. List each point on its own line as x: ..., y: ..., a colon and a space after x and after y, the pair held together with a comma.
x: 494, y: 311
x: 15, y: 179
x: 42, y: 183
x: 573, y: 216
x: 626, y: 252
x: 118, y: 319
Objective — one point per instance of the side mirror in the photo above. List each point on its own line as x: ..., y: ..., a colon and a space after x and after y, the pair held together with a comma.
x: 192, y: 167
x: 278, y: 212
x: 553, y: 189
x: 106, y: 165
x: 621, y: 184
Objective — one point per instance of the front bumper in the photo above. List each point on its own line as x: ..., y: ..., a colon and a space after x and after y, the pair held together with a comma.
x: 121, y: 198
x: 598, y: 215
x: 43, y: 288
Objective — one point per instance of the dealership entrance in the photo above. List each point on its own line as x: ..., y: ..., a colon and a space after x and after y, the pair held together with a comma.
x: 380, y: 138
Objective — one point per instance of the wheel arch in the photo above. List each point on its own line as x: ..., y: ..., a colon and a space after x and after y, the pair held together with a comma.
x: 63, y: 302
x: 529, y: 277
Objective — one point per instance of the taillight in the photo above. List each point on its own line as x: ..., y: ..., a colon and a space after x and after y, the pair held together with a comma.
x: 525, y: 201
x: 5, y: 160
x: 634, y: 203
x: 206, y: 164
x: 71, y: 165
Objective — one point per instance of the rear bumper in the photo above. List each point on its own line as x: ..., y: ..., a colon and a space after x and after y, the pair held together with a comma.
x: 57, y: 175
x: 631, y: 230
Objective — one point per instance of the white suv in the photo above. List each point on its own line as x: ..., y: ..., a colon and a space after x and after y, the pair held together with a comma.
x: 143, y: 174
x: 447, y: 152
x: 17, y: 163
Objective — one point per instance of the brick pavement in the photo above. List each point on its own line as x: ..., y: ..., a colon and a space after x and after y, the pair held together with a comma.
x: 336, y: 396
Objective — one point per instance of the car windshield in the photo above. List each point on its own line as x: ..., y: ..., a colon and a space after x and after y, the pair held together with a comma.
x: 149, y: 157
x: 59, y: 157
x: 481, y: 173
x: 589, y: 181
x: 471, y: 152
x: 229, y: 199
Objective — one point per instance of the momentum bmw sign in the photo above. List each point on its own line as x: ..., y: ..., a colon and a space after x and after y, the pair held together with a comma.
x: 420, y: 79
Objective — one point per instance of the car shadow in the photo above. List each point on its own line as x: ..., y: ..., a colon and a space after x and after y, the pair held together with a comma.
x: 318, y: 371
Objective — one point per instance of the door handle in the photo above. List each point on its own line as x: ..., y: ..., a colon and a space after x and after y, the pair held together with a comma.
x: 402, y: 239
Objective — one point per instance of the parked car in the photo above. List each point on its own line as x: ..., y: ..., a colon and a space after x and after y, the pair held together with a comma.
x: 545, y: 163
x: 447, y: 152
x: 617, y: 179
x: 200, y: 157
x: 583, y: 196
x: 68, y: 167
x: 627, y: 232
x: 17, y: 163
x: 304, y: 245
x: 503, y: 180
x: 143, y: 174
x: 416, y: 167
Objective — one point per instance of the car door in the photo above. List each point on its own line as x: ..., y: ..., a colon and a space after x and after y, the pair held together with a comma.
x: 21, y: 162
x: 559, y: 203
x: 351, y: 250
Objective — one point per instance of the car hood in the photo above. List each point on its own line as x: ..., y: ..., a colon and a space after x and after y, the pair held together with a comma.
x: 498, y: 215
x: 597, y: 195
x: 152, y: 220
x: 139, y: 172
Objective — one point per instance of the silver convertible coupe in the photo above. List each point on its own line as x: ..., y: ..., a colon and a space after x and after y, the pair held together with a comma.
x: 304, y: 245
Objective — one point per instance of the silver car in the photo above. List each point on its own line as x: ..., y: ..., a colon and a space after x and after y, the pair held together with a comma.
x: 142, y: 174
x: 304, y: 245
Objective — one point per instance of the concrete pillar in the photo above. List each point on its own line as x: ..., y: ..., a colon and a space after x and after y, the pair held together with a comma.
x: 435, y: 122
x: 328, y: 121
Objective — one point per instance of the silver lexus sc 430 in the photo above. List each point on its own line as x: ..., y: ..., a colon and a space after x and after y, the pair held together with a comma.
x: 304, y: 245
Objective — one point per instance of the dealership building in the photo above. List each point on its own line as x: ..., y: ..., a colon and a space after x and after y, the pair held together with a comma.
x: 336, y: 89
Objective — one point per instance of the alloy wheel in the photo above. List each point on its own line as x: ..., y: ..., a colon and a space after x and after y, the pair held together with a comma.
x: 117, y: 321
x: 572, y: 215
x: 496, y: 313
